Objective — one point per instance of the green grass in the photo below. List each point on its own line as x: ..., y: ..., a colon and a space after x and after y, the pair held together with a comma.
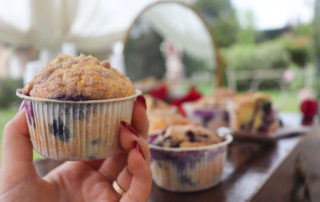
x: 5, y: 116
x: 286, y: 102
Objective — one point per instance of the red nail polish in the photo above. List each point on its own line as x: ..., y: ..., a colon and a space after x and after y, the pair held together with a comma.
x: 142, y: 100
x: 23, y: 105
x: 129, y: 127
x: 137, y: 146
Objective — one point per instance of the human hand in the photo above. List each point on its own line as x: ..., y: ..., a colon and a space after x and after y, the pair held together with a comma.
x: 77, y: 181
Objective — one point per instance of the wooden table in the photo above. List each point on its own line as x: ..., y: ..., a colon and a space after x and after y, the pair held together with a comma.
x: 253, y: 172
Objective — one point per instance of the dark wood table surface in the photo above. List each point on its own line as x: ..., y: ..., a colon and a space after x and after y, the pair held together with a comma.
x: 253, y: 172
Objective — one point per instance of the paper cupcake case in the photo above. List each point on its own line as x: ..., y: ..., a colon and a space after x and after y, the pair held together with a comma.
x: 211, y: 118
x: 84, y: 130
x: 188, y: 169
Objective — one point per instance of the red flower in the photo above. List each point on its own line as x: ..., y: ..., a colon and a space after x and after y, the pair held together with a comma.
x: 192, y: 95
x: 309, y: 108
x: 160, y: 92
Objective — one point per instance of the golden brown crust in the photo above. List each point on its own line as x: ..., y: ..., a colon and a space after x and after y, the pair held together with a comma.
x: 248, y: 114
x: 187, y: 136
x: 162, y: 119
x: 79, y: 78
x: 218, y: 99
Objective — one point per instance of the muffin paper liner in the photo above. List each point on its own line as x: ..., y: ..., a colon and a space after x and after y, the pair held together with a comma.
x: 211, y: 118
x: 188, y: 169
x: 77, y: 130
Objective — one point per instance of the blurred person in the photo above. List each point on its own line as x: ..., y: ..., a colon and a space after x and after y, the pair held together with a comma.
x: 123, y: 177
x: 174, y: 66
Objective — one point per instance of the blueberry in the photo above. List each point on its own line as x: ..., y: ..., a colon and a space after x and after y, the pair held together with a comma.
x: 30, y: 115
x: 281, y: 123
x: 191, y: 136
x: 72, y: 98
x: 75, y: 110
x: 267, y: 107
x: 95, y: 141
x: 226, y: 116
x: 186, y: 180
x: 59, y: 130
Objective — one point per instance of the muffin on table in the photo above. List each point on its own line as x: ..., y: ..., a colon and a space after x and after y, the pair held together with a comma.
x: 188, y: 157
x: 162, y: 115
x: 253, y: 113
x: 157, y: 104
x: 162, y: 119
x: 211, y: 111
x: 74, y: 108
x: 187, y: 136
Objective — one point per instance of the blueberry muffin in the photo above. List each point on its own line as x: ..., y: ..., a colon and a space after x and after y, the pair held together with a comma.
x: 211, y: 111
x: 74, y: 108
x: 163, y: 118
x: 155, y: 104
x: 253, y: 112
x: 187, y: 136
x: 79, y: 78
x: 188, y: 158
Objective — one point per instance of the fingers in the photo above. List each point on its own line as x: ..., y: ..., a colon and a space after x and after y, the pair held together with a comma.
x: 139, y: 117
x: 16, y: 145
x: 112, y: 166
x: 94, y: 164
x: 124, y: 178
x: 129, y: 139
x: 136, y: 177
x: 141, y: 182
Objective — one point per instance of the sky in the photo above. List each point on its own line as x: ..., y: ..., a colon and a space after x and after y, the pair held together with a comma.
x: 273, y: 14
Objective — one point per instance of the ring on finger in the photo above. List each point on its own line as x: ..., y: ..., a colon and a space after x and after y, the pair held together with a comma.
x: 118, y: 188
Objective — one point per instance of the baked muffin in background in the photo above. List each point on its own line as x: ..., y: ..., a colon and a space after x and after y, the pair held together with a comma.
x: 162, y: 119
x: 253, y: 112
x: 157, y: 104
x: 188, y: 158
x: 187, y: 136
x: 162, y: 115
x: 79, y: 78
x: 218, y: 99
x: 211, y: 111
x: 74, y: 107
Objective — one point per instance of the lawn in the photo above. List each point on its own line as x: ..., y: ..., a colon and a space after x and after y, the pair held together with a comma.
x: 285, y: 102
x: 5, y: 116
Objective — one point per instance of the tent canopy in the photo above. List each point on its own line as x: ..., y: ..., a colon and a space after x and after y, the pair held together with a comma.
x: 92, y: 25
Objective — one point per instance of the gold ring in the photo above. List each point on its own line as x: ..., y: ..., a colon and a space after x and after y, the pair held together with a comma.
x: 117, y: 188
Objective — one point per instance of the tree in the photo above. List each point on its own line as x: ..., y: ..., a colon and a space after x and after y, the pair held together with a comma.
x: 222, y: 19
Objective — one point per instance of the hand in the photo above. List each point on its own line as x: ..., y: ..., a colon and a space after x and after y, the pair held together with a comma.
x: 77, y: 181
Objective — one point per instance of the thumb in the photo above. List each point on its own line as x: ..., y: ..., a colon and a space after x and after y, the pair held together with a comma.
x: 17, y: 153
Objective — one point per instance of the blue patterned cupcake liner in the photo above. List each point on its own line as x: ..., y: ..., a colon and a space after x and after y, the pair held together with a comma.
x: 188, y: 169
x: 77, y: 130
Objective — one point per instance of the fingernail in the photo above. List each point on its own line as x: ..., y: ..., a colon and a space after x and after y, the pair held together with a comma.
x: 137, y: 146
x: 127, y: 125
x: 142, y: 100
x: 23, y: 105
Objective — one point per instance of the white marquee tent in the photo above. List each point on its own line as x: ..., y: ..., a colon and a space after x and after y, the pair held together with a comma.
x: 91, y: 25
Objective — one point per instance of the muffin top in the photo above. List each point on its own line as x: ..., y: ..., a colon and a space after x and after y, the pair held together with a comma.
x: 186, y: 136
x: 160, y: 119
x: 77, y: 79
x: 249, y: 98
x: 218, y: 99
x: 156, y: 104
